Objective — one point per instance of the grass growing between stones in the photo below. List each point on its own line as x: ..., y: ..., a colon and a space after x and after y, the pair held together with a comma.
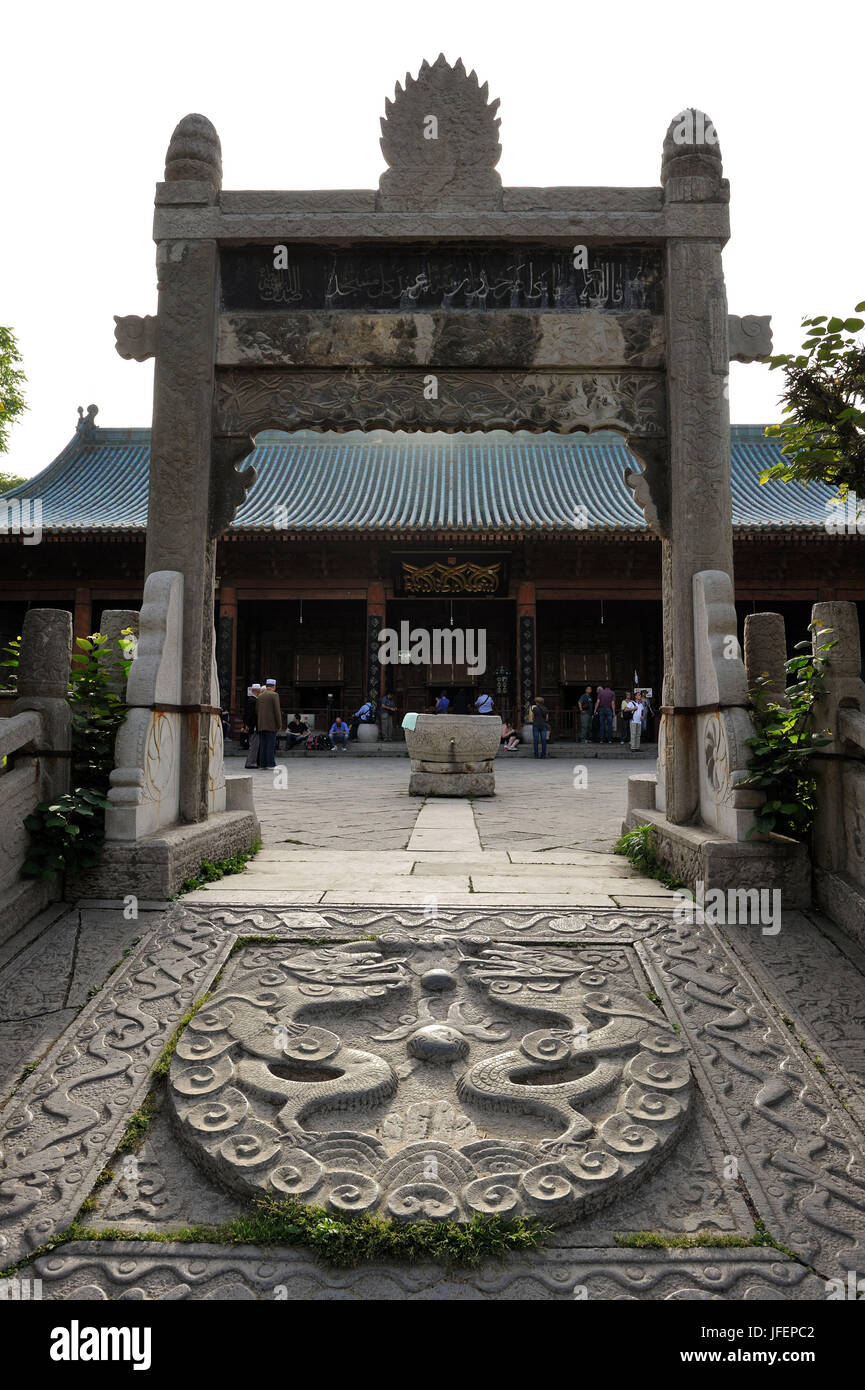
x: 349, y: 1240
x: 213, y: 869
x: 341, y: 1241
x: 638, y: 847
x: 653, y: 1240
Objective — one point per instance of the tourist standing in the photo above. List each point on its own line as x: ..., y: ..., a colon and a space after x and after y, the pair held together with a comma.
x: 484, y: 704
x: 460, y: 702
x: 540, y: 727
x: 605, y: 708
x: 585, y: 705
x: 626, y: 709
x: 443, y: 704
x: 250, y: 711
x: 637, y: 715
x: 388, y: 710
x: 269, y: 722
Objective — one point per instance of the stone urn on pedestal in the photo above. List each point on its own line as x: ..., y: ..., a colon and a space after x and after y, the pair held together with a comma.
x: 452, y: 754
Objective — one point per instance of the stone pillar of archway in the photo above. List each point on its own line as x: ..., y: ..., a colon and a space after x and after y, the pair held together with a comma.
x: 178, y: 531
x: 699, y: 532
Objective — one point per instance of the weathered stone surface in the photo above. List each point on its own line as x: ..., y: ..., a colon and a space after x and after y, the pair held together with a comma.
x: 362, y: 1078
x: 724, y: 723
x: 518, y: 340
x: 248, y: 400
x: 194, y: 152
x: 155, y: 866
x: 145, y: 782
x: 450, y: 162
x: 766, y: 653
x: 97, y: 1270
x: 799, y: 1152
x: 452, y: 754
x: 67, y: 1116
x: 838, y: 834
x: 135, y: 336
x: 750, y: 337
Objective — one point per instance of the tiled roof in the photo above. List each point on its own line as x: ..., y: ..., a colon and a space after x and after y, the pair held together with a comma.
x: 412, y: 483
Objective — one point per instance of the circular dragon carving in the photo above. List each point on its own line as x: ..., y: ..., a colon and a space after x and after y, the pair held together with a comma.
x: 430, y: 1079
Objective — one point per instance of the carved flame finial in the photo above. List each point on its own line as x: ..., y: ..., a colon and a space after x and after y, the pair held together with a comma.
x: 194, y: 152
x: 691, y: 165
x: 440, y: 137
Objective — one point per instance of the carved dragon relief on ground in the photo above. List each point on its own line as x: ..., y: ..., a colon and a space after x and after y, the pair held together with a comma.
x: 431, y: 1079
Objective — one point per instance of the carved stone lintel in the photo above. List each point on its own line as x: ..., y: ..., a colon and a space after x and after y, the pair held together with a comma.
x: 228, y: 484
x: 750, y: 337
x: 135, y: 336
x: 248, y: 399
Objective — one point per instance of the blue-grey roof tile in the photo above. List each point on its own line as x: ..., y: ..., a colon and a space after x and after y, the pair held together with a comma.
x: 412, y: 483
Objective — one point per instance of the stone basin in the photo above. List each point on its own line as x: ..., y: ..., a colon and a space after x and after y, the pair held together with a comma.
x: 452, y: 754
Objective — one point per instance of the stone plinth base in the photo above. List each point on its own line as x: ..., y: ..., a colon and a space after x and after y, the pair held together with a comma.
x: 694, y: 855
x: 842, y: 900
x: 156, y: 866
x: 452, y: 784
x: 367, y: 733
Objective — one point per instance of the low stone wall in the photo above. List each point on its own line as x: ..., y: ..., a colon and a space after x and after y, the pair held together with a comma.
x: 35, y: 740
x: 839, y: 770
x: 155, y: 867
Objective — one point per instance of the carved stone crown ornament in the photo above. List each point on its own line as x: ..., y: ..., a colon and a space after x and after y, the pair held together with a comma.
x: 429, y: 1079
x: 440, y: 137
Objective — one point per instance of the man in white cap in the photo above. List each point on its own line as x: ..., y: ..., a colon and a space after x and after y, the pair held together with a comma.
x: 250, y: 716
x: 268, y: 722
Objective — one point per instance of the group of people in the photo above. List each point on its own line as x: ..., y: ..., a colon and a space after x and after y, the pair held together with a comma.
x: 460, y: 703
x: 262, y: 725
x: 634, y: 712
x: 262, y: 719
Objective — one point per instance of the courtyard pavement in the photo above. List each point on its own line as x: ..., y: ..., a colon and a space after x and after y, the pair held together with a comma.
x: 770, y: 1029
x: 337, y: 829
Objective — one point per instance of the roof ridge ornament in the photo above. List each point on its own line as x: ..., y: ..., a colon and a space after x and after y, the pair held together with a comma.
x: 440, y: 137
x: 86, y: 427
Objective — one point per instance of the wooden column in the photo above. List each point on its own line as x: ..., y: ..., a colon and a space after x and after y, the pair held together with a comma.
x: 376, y: 609
x: 226, y: 644
x: 82, y: 618
x: 526, y: 648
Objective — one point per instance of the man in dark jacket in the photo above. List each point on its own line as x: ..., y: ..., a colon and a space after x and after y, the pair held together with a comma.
x: 269, y: 722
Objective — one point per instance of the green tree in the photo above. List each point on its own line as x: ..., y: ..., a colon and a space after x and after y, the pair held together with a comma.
x: 823, y: 436
x: 12, y: 402
x: 9, y: 480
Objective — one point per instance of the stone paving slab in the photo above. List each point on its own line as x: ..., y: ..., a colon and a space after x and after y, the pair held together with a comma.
x: 762, y: 1101
x: 111, y: 1270
x: 47, y: 973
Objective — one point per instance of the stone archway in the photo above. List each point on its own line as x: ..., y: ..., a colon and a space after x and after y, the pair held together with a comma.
x: 444, y: 300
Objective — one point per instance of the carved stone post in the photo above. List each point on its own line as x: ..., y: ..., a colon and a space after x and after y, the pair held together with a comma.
x: 179, y: 535
x: 43, y: 685
x: 766, y: 653
x: 700, y: 527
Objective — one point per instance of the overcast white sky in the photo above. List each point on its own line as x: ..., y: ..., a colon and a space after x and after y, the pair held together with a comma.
x: 92, y: 92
